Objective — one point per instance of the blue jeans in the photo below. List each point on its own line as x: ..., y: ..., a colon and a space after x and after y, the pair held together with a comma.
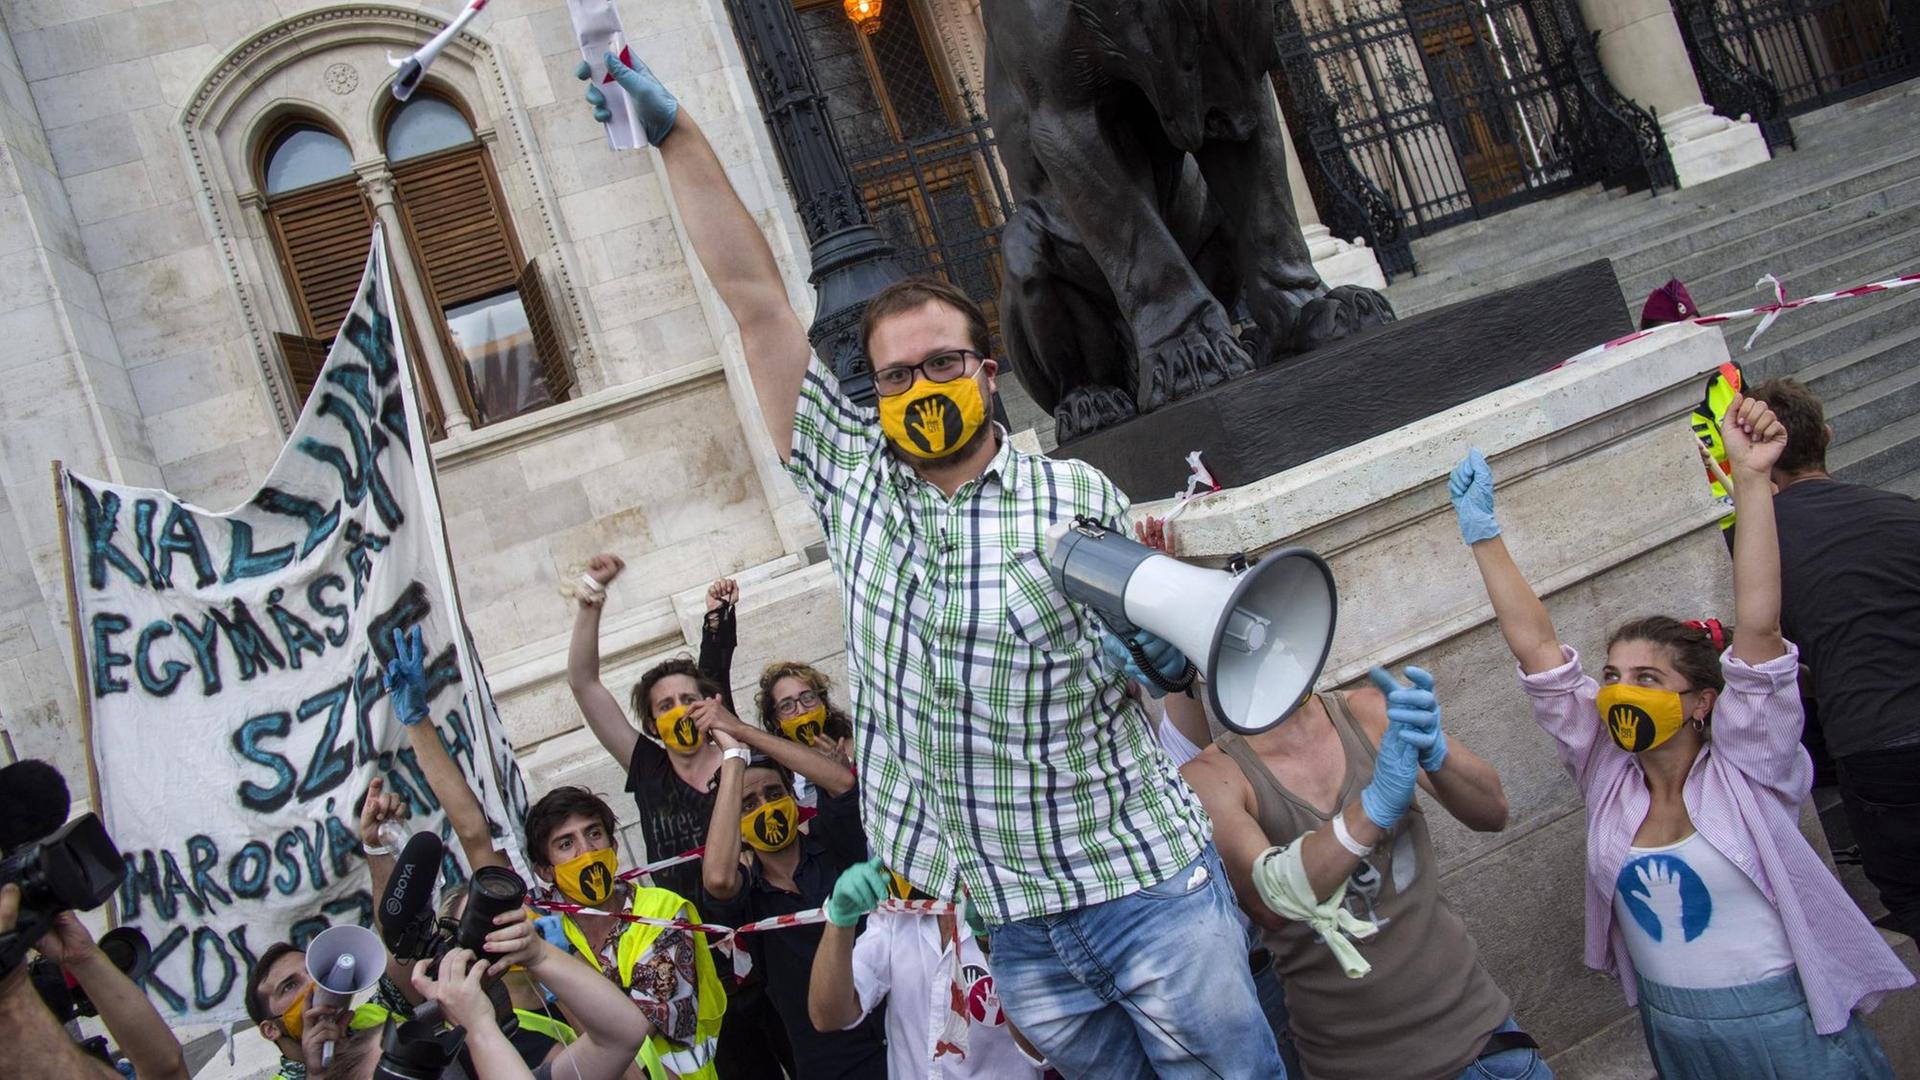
x: 1761, y: 1029
x: 1154, y: 983
x: 1508, y: 1064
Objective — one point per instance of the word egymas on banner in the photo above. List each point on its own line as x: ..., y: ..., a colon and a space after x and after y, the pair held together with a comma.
x: 232, y: 666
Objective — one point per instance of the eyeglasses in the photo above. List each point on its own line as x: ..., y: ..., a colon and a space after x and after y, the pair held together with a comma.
x: 798, y: 703
x: 939, y: 368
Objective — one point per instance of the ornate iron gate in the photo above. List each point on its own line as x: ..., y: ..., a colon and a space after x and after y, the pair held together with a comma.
x: 1422, y: 114
x: 1774, y: 58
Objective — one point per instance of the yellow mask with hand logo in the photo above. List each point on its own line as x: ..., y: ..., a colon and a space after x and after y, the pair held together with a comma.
x: 677, y: 731
x: 1640, y: 717
x: 806, y: 727
x: 932, y: 420
x: 771, y: 826
x: 587, y: 879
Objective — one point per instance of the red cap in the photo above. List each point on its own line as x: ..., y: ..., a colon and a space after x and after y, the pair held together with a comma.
x: 1669, y: 303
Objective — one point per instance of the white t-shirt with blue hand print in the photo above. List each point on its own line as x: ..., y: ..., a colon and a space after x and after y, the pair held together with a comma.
x: 1693, y: 920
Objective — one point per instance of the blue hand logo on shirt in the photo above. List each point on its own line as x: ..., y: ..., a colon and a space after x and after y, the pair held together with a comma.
x: 1665, y: 896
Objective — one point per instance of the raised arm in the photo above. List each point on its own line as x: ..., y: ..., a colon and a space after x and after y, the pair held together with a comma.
x: 719, y: 636
x: 833, y: 999
x: 611, y: 1028
x: 832, y: 777
x: 728, y: 243
x: 720, y: 864
x: 605, y: 717
x: 407, y: 683
x: 1523, y: 618
x: 130, y: 1018
x: 1754, y: 438
x: 1464, y: 784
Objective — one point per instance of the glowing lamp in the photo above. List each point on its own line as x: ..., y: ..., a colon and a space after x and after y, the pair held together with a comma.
x: 864, y: 14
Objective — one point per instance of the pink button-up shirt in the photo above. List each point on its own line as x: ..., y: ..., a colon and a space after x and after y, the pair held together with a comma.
x: 1744, y: 795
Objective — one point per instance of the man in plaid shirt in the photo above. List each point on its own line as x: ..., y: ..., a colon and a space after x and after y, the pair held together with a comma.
x: 997, y: 752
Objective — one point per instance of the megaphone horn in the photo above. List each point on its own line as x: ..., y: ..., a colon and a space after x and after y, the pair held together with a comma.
x: 343, y: 961
x: 1260, y: 637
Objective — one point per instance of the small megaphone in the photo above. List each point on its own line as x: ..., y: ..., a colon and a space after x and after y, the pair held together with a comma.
x: 343, y: 961
x: 1260, y: 636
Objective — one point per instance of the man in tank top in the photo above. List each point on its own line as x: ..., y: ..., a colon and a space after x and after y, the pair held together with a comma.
x: 1317, y: 817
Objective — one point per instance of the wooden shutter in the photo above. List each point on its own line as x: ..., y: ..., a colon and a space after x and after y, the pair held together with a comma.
x: 554, y: 367
x: 304, y: 356
x: 322, y: 235
x: 457, y: 222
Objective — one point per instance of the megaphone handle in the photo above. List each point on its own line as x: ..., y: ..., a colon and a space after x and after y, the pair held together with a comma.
x: 326, y: 1053
x: 1174, y: 686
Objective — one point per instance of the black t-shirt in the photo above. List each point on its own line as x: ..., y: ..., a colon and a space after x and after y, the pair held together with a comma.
x: 673, y: 816
x: 833, y: 842
x: 1850, y: 598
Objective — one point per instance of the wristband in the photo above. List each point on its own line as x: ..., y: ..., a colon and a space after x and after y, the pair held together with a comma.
x: 740, y: 752
x: 376, y: 849
x: 1340, y: 833
x: 594, y: 587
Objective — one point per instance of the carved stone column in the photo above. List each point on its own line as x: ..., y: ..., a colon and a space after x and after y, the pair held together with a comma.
x: 1337, y: 261
x: 1646, y: 60
x: 377, y: 182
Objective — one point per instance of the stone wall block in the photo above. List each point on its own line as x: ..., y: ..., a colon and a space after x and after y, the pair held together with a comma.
x: 613, y: 206
x: 109, y: 192
x: 59, y: 50
x: 551, y: 510
x: 64, y: 100
x: 204, y: 426
x: 163, y: 307
x: 479, y: 483
x: 495, y: 576
x: 97, y: 144
x: 143, y: 235
x: 32, y: 334
x: 226, y: 475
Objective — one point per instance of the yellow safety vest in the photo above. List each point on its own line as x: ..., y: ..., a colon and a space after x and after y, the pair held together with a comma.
x: 1705, y: 422
x: 551, y: 1026
x: 692, y: 1062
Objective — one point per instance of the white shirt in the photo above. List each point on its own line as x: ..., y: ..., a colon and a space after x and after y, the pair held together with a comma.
x: 899, y: 959
x: 1693, y: 920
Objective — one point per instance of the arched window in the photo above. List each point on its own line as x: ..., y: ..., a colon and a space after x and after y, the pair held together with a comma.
x: 303, y: 155
x: 321, y: 224
x: 423, y: 125
x: 494, y: 314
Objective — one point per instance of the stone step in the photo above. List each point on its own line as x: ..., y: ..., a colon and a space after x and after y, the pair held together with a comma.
x: 1875, y: 262
x: 1829, y: 259
x: 1873, y: 342
x: 1765, y: 230
x: 1907, y: 484
x: 1879, y: 456
x: 1876, y: 405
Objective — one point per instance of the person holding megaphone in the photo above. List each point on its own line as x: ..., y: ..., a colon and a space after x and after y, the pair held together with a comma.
x: 1744, y: 954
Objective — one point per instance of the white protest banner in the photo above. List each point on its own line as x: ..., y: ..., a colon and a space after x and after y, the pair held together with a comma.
x: 233, y: 661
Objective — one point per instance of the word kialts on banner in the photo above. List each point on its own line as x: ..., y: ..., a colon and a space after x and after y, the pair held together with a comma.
x: 1768, y: 312
x: 232, y: 662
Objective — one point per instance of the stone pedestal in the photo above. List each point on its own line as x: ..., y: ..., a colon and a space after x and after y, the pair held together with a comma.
x: 1337, y: 261
x: 1705, y: 145
x: 1646, y: 59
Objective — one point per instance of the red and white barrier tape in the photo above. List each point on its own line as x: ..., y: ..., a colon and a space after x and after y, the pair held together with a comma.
x: 807, y: 814
x: 1768, y: 312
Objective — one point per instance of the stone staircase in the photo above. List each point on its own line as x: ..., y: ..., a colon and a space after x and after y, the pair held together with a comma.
x: 1842, y: 209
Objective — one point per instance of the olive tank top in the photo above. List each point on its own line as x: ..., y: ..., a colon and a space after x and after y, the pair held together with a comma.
x: 1427, y: 1007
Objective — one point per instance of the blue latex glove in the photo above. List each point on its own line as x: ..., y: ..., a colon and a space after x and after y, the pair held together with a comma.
x: 407, y: 677
x: 550, y: 928
x: 1471, y: 489
x: 1395, y: 770
x: 657, y: 106
x: 860, y: 889
x: 1167, y: 660
x: 1415, y: 710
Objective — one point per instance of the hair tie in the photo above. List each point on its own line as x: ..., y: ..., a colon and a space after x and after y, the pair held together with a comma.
x: 1715, y: 632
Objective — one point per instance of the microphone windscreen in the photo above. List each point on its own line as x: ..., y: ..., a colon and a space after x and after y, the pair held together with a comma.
x: 410, y: 890
x: 33, y: 802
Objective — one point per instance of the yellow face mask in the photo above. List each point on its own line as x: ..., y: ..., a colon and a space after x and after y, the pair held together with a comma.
x: 806, y: 727
x: 677, y: 731
x: 294, y: 1020
x: 932, y: 420
x: 587, y: 879
x: 1640, y: 717
x: 771, y: 826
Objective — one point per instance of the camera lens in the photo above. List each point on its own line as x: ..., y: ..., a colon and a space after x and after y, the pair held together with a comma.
x: 493, y: 891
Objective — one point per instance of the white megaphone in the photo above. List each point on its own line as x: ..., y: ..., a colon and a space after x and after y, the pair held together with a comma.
x: 1259, y: 637
x: 343, y: 961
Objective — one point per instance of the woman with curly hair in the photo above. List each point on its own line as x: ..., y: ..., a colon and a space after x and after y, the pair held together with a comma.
x: 796, y: 703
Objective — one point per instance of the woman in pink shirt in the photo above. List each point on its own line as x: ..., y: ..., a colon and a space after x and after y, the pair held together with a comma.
x: 1744, y: 954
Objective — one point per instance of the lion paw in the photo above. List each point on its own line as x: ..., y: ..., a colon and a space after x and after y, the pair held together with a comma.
x: 1203, y: 356
x: 1342, y: 313
x: 1087, y: 409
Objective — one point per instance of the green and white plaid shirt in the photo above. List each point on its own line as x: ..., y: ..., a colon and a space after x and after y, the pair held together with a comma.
x: 996, y: 748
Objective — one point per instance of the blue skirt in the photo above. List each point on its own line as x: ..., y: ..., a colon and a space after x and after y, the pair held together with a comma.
x: 1761, y: 1031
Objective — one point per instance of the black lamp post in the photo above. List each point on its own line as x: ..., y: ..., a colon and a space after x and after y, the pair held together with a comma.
x: 851, y: 260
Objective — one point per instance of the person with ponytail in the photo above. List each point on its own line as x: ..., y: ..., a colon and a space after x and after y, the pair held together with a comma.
x: 1744, y: 954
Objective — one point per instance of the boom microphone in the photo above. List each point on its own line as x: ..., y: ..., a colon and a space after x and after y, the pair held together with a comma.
x: 33, y: 802
x: 406, y: 908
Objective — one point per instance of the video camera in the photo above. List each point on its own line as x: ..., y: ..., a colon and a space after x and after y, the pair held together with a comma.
x: 58, y: 867
x: 412, y: 930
